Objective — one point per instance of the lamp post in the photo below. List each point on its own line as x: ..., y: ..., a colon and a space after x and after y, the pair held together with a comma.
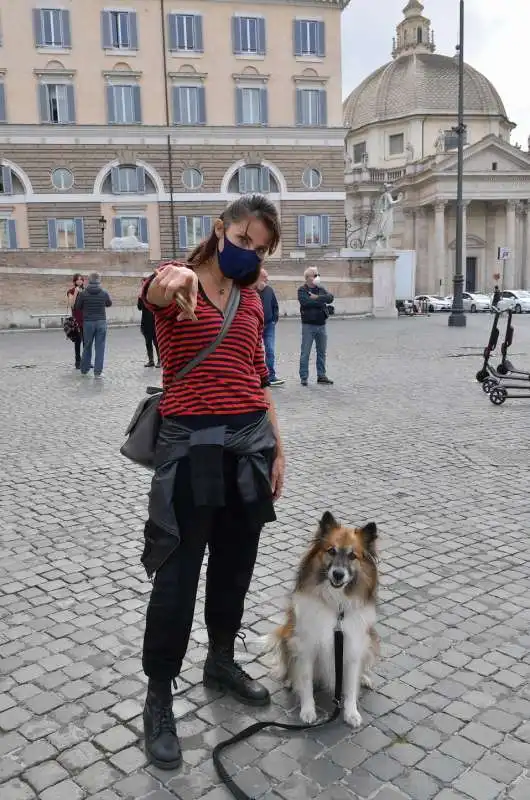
x: 457, y: 318
x: 102, y: 225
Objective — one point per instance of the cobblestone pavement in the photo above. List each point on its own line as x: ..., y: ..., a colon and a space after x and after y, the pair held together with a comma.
x: 405, y: 437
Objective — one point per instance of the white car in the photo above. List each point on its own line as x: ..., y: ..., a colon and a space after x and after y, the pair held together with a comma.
x: 519, y: 299
x: 473, y: 302
x: 431, y: 303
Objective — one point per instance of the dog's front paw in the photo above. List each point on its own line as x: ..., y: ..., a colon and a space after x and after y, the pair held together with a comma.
x: 308, y: 714
x: 366, y: 682
x: 352, y: 717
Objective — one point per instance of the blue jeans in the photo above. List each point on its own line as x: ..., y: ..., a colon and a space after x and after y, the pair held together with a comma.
x: 269, y: 337
x: 94, y: 333
x: 318, y: 335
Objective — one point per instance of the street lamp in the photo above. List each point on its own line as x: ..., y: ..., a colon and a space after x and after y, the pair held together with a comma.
x: 102, y: 225
x: 457, y: 318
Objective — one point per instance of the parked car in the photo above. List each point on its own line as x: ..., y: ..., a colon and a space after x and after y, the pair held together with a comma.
x: 431, y: 303
x: 518, y: 298
x: 473, y: 301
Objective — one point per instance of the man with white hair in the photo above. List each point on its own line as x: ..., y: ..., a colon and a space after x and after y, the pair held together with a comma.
x: 314, y: 302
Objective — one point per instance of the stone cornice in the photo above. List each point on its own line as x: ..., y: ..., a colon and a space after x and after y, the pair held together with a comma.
x: 190, y: 77
x: 250, y: 77
x: 338, y: 4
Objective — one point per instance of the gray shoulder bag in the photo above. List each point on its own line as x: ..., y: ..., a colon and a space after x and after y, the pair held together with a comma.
x: 142, y: 431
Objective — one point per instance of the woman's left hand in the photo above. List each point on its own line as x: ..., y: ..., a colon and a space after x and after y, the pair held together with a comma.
x: 277, y: 476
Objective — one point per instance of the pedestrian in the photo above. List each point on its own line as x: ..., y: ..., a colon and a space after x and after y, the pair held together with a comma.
x: 93, y: 303
x: 76, y: 336
x: 496, y: 298
x: 271, y: 315
x: 314, y: 301
x: 147, y: 327
x: 219, y: 462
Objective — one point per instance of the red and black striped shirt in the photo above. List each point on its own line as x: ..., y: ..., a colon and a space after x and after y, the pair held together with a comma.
x: 230, y: 380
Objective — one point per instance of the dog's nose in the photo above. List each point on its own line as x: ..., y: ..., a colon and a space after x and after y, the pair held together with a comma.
x: 338, y: 575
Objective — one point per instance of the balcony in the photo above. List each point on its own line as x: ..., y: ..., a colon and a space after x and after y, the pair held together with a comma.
x: 371, y: 175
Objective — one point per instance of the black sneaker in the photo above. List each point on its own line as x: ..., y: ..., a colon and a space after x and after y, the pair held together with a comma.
x: 303, y: 383
x: 325, y: 381
x: 162, y: 745
x: 149, y: 364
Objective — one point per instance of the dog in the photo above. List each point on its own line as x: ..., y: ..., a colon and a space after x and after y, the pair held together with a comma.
x: 338, y: 577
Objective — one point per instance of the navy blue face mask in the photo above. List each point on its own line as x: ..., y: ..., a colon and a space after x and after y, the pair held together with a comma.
x: 236, y: 262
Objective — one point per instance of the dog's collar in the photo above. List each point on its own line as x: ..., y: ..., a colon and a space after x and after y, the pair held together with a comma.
x: 340, y: 618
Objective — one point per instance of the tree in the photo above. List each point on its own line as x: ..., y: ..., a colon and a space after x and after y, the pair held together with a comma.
x: 359, y: 228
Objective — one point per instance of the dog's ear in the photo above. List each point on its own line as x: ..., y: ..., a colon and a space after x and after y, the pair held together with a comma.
x: 327, y: 524
x: 369, y: 535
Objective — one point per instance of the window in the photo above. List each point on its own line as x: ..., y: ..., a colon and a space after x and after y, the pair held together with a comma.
x: 311, y: 178
x: 359, y: 152
x: 66, y: 234
x: 419, y: 35
x: 251, y: 106
x: 309, y: 38
x: 8, y: 234
x: 119, y: 30
x: 313, y: 231
x: 248, y: 35
x: 189, y: 105
x: 57, y: 104
x: 123, y: 104
x: 396, y: 144
x: 451, y: 139
x: 311, y: 107
x: 62, y: 179
x: 192, y: 230
x: 122, y: 226
x: 185, y: 33
x: 51, y: 27
x: 253, y: 178
x: 3, y: 114
x: 6, y: 181
x: 192, y: 178
x: 128, y: 180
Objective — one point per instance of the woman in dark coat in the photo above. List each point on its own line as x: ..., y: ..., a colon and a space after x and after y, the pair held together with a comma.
x: 147, y: 326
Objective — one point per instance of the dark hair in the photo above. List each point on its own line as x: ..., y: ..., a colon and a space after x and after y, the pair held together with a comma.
x: 76, y: 277
x: 253, y: 205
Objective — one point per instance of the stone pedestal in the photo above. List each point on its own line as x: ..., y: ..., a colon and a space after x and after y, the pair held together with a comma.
x: 384, y: 283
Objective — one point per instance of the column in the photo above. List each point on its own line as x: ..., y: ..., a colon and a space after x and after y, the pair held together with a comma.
x: 509, y: 267
x: 408, y: 236
x: 526, y: 253
x: 439, y: 247
x: 490, y: 256
x: 464, y: 243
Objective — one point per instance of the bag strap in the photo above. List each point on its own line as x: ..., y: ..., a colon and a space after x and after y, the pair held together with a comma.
x: 230, y: 312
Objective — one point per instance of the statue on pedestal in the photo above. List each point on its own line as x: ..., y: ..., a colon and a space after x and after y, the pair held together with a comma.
x: 385, y: 218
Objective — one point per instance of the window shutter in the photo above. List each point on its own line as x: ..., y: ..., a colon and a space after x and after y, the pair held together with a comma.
x: 263, y: 107
x: 79, y: 233
x: 116, y: 227
x: 115, y: 180
x: 264, y: 180
x: 70, y: 102
x: 197, y: 34
x: 106, y: 30
x: 324, y: 229
x: 140, y: 179
x: 142, y: 230
x: 261, y: 37
x: 301, y: 231
x: 323, y: 109
x: 66, y: 30
x: 111, y: 109
x: 44, y: 108
x: 37, y: 27
x: 133, y: 30
x: 7, y: 180
x: 242, y: 180
x: 177, y: 114
x: 297, y: 37
x: 183, y: 233
x: 3, y: 115
x: 137, y: 101
x: 239, y: 106
x: 201, y: 102
x: 206, y: 226
x: 321, y: 39
x: 12, y: 234
x: 237, y: 44
x: 52, y: 234
x: 299, y: 107
x: 172, y: 28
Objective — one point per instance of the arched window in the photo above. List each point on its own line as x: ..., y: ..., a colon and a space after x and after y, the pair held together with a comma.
x: 9, y: 182
x: 128, y: 179
x: 253, y: 178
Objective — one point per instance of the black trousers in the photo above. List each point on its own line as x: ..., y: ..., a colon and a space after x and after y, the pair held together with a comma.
x: 150, y: 341
x: 232, y: 538
x: 78, y: 341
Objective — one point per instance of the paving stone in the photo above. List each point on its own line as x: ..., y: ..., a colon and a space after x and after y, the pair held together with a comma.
x: 16, y: 790
x: 135, y: 786
x: 443, y: 767
x: 499, y: 768
x: 521, y: 790
x: 66, y: 790
x: 44, y: 775
x: 417, y: 785
x: 478, y: 786
x: 79, y: 757
x: 115, y: 739
x: 129, y: 760
x: 98, y: 776
x: 36, y: 753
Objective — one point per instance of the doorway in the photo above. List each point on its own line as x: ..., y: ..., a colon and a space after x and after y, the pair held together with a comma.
x: 471, y: 274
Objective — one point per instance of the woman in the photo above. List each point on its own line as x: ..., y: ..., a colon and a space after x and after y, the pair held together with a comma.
x: 78, y: 284
x: 219, y: 462
x: 147, y: 327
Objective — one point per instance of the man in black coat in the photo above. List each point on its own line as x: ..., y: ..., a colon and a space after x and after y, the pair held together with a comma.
x: 314, y: 309
x: 271, y: 314
x: 147, y: 327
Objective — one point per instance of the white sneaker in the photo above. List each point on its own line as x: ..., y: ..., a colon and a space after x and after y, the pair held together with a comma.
x: 100, y: 375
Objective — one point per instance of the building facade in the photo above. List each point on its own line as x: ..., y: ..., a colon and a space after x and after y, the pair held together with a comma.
x: 400, y: 124
x: 156, y: 114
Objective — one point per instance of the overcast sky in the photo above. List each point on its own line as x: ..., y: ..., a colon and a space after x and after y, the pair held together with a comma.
x: 496, y: 43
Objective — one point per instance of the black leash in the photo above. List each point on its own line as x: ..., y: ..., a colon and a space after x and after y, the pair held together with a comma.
x: 246, y: 733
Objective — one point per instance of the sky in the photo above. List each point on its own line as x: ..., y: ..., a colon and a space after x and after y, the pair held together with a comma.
x: 496, y: 43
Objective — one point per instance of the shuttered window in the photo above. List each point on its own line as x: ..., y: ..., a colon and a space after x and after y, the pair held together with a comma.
x: 313, y: 230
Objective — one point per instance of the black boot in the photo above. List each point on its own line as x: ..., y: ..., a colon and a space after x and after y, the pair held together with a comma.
x: 161, y: 741
x: 223, y: 674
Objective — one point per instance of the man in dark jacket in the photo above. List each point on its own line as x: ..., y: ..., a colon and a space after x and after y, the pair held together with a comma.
x: 314, y: 301
x: 93, y: 303
x: 271, y: 313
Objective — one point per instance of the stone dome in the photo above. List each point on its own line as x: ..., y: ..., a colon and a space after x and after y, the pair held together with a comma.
x: 419, y: 83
